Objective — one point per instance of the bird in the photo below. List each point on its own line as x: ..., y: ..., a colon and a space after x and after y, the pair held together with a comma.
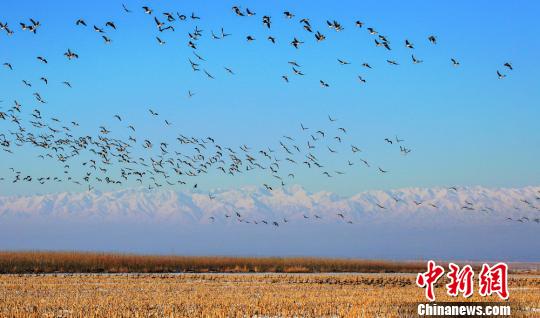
x: 288, y: 15
x: 208, y: 74
x: 307, y: 27
x: 408, y: 44
x: 199, y: 57
x: 334, y: 25
x: 296, y: 43
x: 70, y: 55
x: 158, y: 23
x: 454, y: 62
x: 98, y: 30
x: 266, y: 20
x: 294, y: 63
x: 415, y: 60
x: 160, y: 163
x: 238, y: 11
x: 110, y: 24
x: 305, y: 21
x: 297, y: 72
x: 147, y: 10
x: 319, y: 36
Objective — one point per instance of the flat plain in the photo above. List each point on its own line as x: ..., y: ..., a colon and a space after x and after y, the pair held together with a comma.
x: 233, y: 295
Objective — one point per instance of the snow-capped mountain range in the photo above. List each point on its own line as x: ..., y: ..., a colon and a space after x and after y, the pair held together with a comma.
x: 473, y: 204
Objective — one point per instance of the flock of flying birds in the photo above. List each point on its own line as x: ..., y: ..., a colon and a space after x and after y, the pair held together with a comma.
x: 102, y: 158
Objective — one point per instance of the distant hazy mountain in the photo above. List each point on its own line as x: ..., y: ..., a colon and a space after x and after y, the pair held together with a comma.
x: 470, y: 223
x: 411, y: 205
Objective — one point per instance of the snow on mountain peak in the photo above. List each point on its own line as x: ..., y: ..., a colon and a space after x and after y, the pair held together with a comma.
x: 294, y: 203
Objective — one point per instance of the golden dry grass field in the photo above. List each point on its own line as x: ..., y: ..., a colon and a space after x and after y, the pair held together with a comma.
x: 230, y: 295
x: 14, y: 262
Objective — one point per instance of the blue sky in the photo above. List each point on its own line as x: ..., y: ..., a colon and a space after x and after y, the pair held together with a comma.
x: 464, y: 125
